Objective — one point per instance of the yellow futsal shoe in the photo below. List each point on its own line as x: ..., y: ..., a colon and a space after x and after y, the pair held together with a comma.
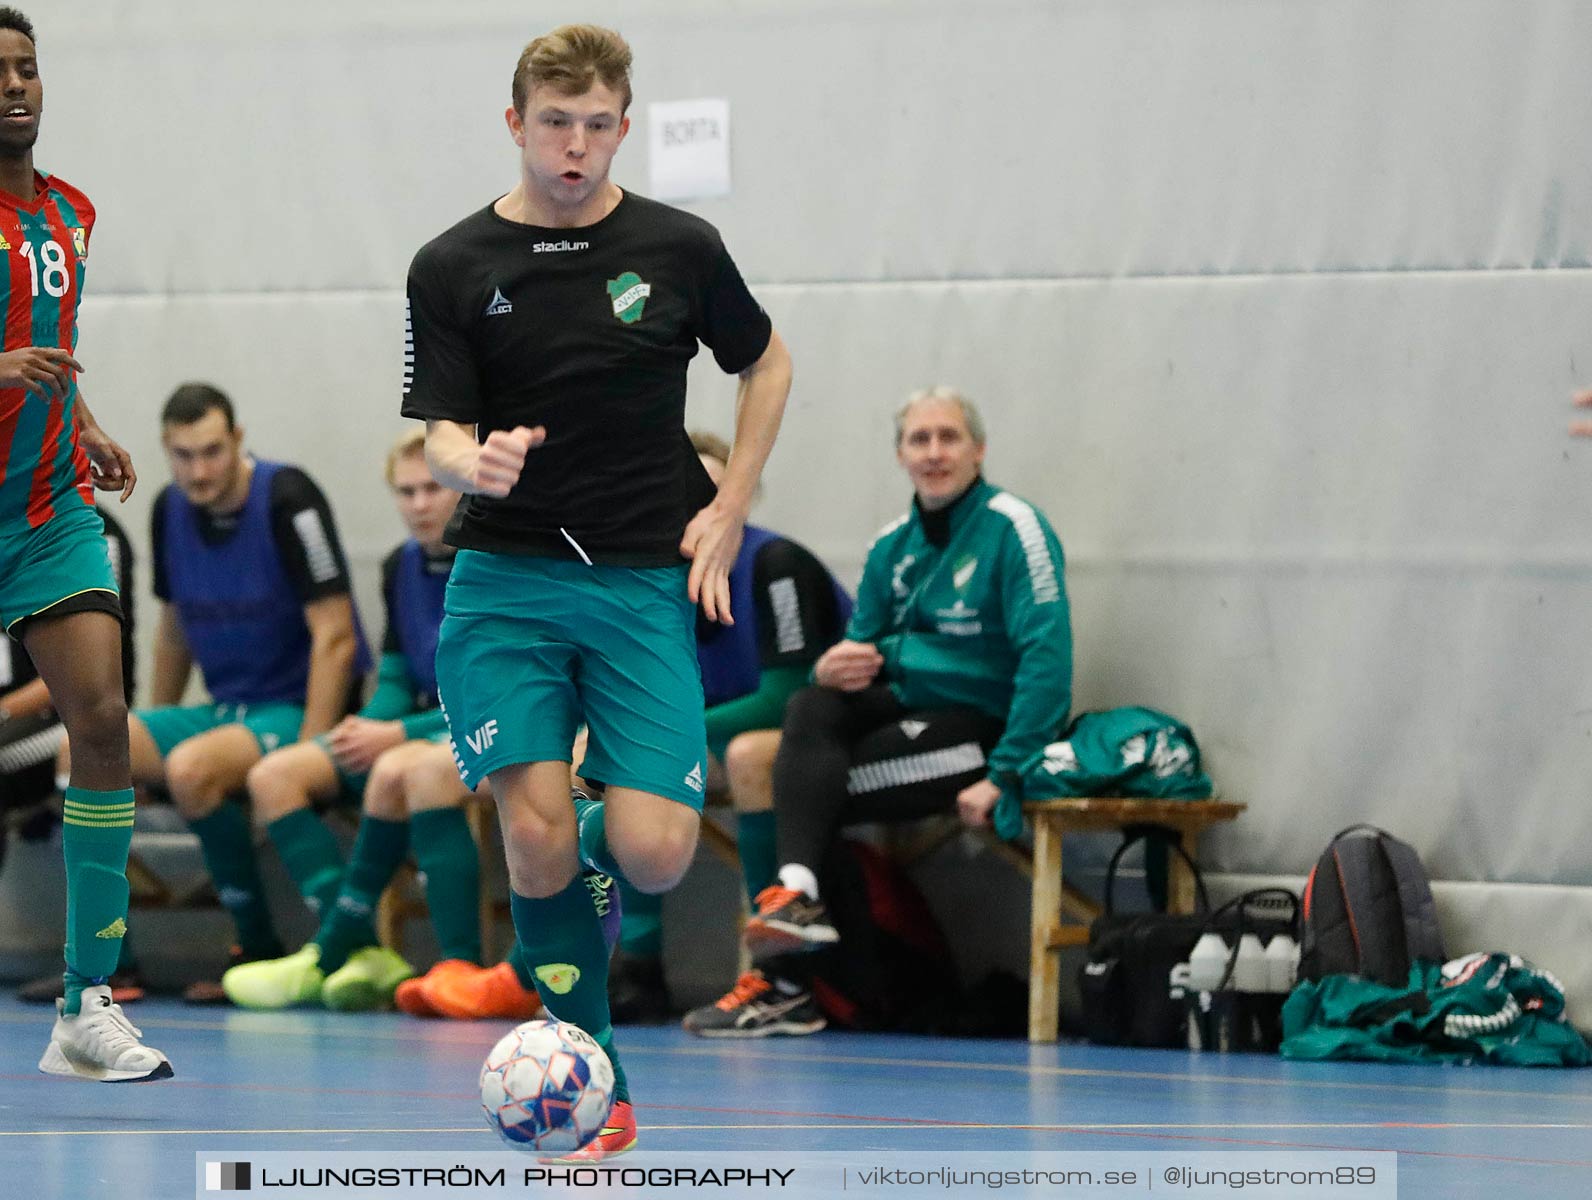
x: 276, y: 982
x: 366, y: 981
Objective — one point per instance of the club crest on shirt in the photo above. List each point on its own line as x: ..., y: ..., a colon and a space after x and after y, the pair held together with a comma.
x: 4, y: 244
x: 80, y: 241
x: 629, y: 295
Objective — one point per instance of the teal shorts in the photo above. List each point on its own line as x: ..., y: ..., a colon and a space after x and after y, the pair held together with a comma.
x: 64, y: 559
x: 532, y: 647
x: 351, y: 786
x: 273, y: 725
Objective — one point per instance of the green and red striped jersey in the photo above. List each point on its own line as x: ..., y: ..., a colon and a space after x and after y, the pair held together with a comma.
x: 43, y: 471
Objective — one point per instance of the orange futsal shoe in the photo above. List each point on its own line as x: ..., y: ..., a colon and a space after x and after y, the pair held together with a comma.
x: 481, y: 994
x: 618, y: 1135
x: 411, y: 994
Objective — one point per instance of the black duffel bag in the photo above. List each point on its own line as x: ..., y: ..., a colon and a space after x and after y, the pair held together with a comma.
x: 1125, y: 984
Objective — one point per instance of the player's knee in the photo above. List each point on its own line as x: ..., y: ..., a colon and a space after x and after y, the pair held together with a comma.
x: 749, y: 765
x: 270, y: 787
x: 97, y: 727
x: 193, y: 783
x: 386, y: 786
x: 538, y: 839
x: 814, y: 709
x: 664, y: 860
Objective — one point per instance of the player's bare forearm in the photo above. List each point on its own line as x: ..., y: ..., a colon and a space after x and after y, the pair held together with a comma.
x: 759, y: 409
x: 451, y: 451
x: 29, y: 700
x: 173, y: 661
x: 487, y: 468
x: 333, y: 646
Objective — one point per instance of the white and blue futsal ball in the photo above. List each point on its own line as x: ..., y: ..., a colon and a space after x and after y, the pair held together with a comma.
x: 547, y: 1086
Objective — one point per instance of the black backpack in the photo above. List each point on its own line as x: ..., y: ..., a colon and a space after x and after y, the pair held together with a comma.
x: 1368, y: 910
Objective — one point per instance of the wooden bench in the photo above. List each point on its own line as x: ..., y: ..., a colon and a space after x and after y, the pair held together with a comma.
x: 1054, y: 898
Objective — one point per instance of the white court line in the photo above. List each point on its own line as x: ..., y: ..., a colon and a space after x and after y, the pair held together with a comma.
x: 968, y: 1127
x: 742, y: 1053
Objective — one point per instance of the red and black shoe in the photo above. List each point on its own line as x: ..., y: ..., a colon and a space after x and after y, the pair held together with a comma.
x: 788, y: 921
x: 618, y: 1135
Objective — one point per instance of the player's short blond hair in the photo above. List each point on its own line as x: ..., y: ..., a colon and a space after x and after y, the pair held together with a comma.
x: 413, y: 442
x: 572, y: 58
x: 942, y: 395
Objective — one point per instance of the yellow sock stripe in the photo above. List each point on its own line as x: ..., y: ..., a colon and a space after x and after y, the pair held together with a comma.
x: 107, y: 823
x: 74, y: 806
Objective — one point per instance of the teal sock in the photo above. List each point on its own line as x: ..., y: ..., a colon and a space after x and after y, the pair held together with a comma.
x: 564, y: 947
x: 521, y: 963
x: 228, y: 847
x: 379, y: 849
x: 446, y: 854
x: 594, y: 852
x: 754, y: 840
x: 640, y: 922
x: 96, y: 831
x: 310, y: 854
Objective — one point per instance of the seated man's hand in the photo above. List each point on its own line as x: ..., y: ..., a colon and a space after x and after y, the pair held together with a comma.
x: 356, y: 743
x: 976, y: 801
x: 848, y: 666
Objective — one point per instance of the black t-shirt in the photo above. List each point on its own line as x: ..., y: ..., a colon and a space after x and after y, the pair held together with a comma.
x: 301, y: 522
x: 587, y: 332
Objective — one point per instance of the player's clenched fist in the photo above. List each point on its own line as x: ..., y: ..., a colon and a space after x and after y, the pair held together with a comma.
x: 45, y: 369
x: 502, y: 458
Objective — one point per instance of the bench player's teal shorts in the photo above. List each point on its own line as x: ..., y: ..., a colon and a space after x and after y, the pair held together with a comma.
x: 273, y: 724
x: 63, y: 562
x: 531, y: 647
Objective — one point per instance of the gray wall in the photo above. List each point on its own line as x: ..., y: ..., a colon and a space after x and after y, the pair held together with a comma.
x: 1273, y: 305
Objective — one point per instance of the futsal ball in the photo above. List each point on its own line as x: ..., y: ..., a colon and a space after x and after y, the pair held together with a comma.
x: 547, y: 1086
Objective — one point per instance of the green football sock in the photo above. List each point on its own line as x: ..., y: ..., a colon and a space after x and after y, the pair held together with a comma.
x: 640, y: 922
x: 446, y: 854
x: 228, y: 847
x: 310, y: 854
x: 754, y: 840
x: 96, y: 831
x: 379, y: 849
x: 563, y: 944
x: 589, y: 823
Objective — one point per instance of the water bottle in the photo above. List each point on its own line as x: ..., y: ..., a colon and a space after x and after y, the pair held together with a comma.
x: 1207, y: 963
x: 1249, y: 972
x: 1282, y: 964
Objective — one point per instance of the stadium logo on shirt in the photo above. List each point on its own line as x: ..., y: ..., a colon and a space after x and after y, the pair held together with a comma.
x: 558, y: 247
x: 499, y: 304
x: 629, y: 295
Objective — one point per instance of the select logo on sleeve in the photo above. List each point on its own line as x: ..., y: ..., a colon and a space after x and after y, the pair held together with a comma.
x: 229, y: 1177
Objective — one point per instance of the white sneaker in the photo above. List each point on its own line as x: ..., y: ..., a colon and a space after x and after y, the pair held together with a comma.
x: 100, y: 1043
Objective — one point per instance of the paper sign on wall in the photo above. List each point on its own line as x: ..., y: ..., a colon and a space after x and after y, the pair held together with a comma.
x: 689, y: 141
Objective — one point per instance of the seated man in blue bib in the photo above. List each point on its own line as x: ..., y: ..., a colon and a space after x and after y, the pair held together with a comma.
x: 253, y: 587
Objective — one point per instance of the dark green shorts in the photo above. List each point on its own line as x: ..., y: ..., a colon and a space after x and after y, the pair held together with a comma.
x: 532, y: 647
x: 63, y: 559
x: 273, y: 725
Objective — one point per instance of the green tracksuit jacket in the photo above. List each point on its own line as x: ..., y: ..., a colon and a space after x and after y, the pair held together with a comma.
x: 980, y: 622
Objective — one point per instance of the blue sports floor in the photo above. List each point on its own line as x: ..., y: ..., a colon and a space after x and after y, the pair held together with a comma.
x: 324, y: 1081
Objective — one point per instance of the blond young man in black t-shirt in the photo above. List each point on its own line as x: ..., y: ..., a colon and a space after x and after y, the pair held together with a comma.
x: 549, y: 336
